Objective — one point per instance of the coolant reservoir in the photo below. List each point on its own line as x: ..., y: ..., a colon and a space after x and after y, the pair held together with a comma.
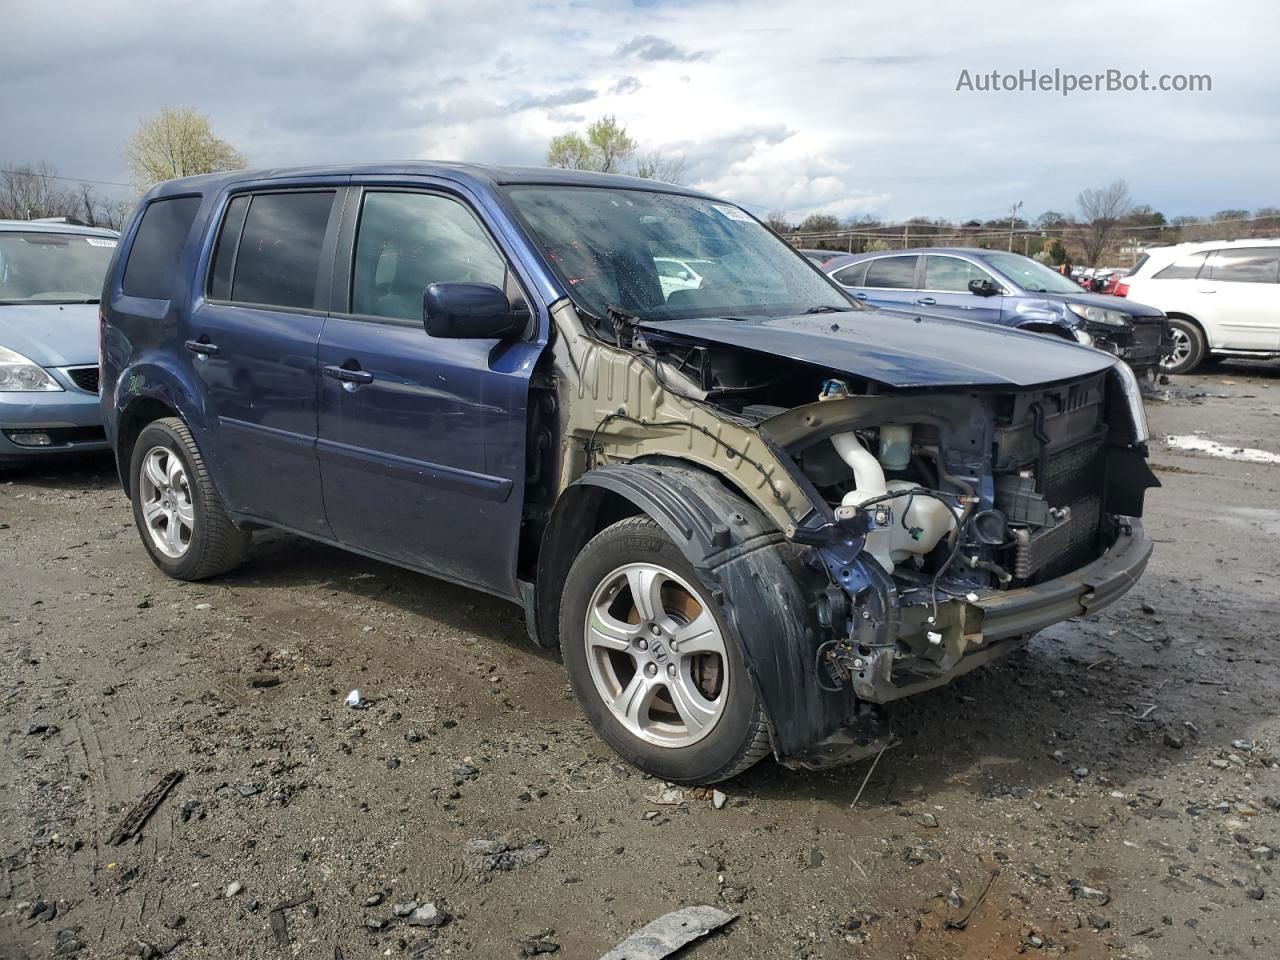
x: 919, y: 523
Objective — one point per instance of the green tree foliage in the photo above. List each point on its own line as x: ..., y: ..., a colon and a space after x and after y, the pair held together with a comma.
x: 178, y: 142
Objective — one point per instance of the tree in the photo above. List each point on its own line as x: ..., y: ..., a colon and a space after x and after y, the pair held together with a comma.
x: 1231, y: 214
x: 570, y: 152
x: 1101, y: 210
x: 656, y: 165
x: 178, y: 142
x: 819, y: 223
x: 605, y: 148
x: 29, y: 191
x: 778, y: 223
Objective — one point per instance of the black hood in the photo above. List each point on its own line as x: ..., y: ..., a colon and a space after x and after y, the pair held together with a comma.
x: 899, y: 349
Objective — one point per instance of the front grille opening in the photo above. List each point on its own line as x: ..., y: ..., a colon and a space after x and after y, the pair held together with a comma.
x: 86, y: 378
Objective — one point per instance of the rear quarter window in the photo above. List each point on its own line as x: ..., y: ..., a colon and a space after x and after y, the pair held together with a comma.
x: 1184, y: 268
x: 158, y: 244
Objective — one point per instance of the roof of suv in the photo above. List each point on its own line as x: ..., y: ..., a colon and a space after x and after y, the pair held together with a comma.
x: 44, y: 226
x: 473, y: 174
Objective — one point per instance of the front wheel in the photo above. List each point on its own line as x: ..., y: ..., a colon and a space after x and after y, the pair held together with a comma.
x: 1189, y: 347
x: 176, y: 508
x: 655, y: 666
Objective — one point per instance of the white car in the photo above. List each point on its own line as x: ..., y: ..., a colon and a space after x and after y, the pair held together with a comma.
x: 676, y: 274
x: 1222, y: 298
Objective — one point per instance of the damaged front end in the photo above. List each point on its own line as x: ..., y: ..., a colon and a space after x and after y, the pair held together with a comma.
x: 906, y: 533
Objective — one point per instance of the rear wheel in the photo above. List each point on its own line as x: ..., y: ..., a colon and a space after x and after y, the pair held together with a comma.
x: 655, y: 666
x: 1189, y: 347
x: 176, y: 508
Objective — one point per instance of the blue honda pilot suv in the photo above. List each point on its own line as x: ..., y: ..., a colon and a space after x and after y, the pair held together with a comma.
x: 749, y: 511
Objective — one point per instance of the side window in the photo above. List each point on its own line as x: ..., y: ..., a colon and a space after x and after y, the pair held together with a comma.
x: 153, y: 259
x: 407, y: 241
x: 951, y: 274
x: 1184, y: 268
x: 1247, y: 265
x: 277, y: 262
x: 898, y: 273
x: 224, y: 255
x: 852, y: 276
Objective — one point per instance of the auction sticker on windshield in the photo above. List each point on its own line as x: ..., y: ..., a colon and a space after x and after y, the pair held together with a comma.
x: 100, y: 242
x: 733, y: 213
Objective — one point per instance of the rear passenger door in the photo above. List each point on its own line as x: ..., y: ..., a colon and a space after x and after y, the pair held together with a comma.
x: 945, y: 290
x: 1238, y: 289
x: 422, y: 439
x: 889, y: 282
x: 253, y: 343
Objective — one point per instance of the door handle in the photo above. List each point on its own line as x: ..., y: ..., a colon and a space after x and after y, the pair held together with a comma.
x: 860, y: 296
x: 201, y: 347
x: 1206, y: 291
x: 348, y: 376
x: 926, y: 301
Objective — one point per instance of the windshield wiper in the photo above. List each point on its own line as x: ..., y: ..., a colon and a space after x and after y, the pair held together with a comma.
x: 829, y: 309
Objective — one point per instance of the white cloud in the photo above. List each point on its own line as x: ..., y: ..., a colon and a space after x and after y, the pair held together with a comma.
x: 776, y: 103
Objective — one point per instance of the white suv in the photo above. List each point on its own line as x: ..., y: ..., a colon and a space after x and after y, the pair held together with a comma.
x: 1222, y: 298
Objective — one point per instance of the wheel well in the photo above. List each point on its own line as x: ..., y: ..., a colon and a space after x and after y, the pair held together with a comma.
x: 585, y: 509
x: 135, y: 418
x: 1177, y: 315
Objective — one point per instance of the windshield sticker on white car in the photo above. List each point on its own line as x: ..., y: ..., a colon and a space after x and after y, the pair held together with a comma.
x: 733, y: 213
x: 99, y: 242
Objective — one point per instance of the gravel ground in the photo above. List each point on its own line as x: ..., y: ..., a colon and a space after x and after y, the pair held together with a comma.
x: 1110, y: 792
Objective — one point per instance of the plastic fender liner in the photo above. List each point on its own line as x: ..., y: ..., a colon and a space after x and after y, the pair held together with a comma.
x: 746, y: 565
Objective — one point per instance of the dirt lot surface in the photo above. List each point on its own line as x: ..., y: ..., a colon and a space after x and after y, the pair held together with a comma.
x: 1110, y: 792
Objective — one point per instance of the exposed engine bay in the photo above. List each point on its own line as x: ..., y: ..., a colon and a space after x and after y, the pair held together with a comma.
x: 938, y: 525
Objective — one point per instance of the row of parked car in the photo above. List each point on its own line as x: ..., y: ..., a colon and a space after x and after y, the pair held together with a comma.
x: 1179, y: 307
x: 1221, y: 299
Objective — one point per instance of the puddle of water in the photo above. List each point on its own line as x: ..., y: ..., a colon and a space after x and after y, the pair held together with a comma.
x: 1213, y: 448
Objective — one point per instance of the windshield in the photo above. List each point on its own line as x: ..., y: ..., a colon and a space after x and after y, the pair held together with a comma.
x: 660, y: 256
x: 1029, y: 275
x: 52, y: 267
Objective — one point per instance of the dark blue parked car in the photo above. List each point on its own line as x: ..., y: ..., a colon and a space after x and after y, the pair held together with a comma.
x: 1009, y: 289
x: 748, y: 510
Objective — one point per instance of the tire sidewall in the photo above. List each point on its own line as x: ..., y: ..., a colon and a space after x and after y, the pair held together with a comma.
x: 1198, y: 346
x: 700, y: 762
x: 154, y: 435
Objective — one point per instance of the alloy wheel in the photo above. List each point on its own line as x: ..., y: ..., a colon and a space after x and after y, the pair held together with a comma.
x: 657, y: 655
x: 165, y: 494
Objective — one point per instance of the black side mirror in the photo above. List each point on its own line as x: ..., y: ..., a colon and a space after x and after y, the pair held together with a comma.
x: 983, y: 287
x: 469, y: 311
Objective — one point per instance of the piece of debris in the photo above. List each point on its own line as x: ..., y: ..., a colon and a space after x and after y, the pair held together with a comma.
x: 1172, y: 741
x: 428, y: 915
x: 465, y: 771
x: 963, y: 922
x: 669, y: 933
x: 402, y: 908
x: 539, y: 944
x: 373, y: 899
x: 139, y: 815
x: 234, y: 887
x: 260, y: 681
x: 718, y: 799
x: 280, y: 925
x: 502, y: 853
x: 667, y: 797
x: 1080, y: 892
x: 927, y: 820
x: 1255, y: 893
x: 355, y: 701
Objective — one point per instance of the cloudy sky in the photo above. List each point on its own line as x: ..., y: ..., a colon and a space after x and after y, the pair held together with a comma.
x: 843, y: 108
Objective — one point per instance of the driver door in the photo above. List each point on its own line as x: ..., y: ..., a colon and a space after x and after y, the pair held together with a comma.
x: 421, y: 439
x: 945, y: 290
